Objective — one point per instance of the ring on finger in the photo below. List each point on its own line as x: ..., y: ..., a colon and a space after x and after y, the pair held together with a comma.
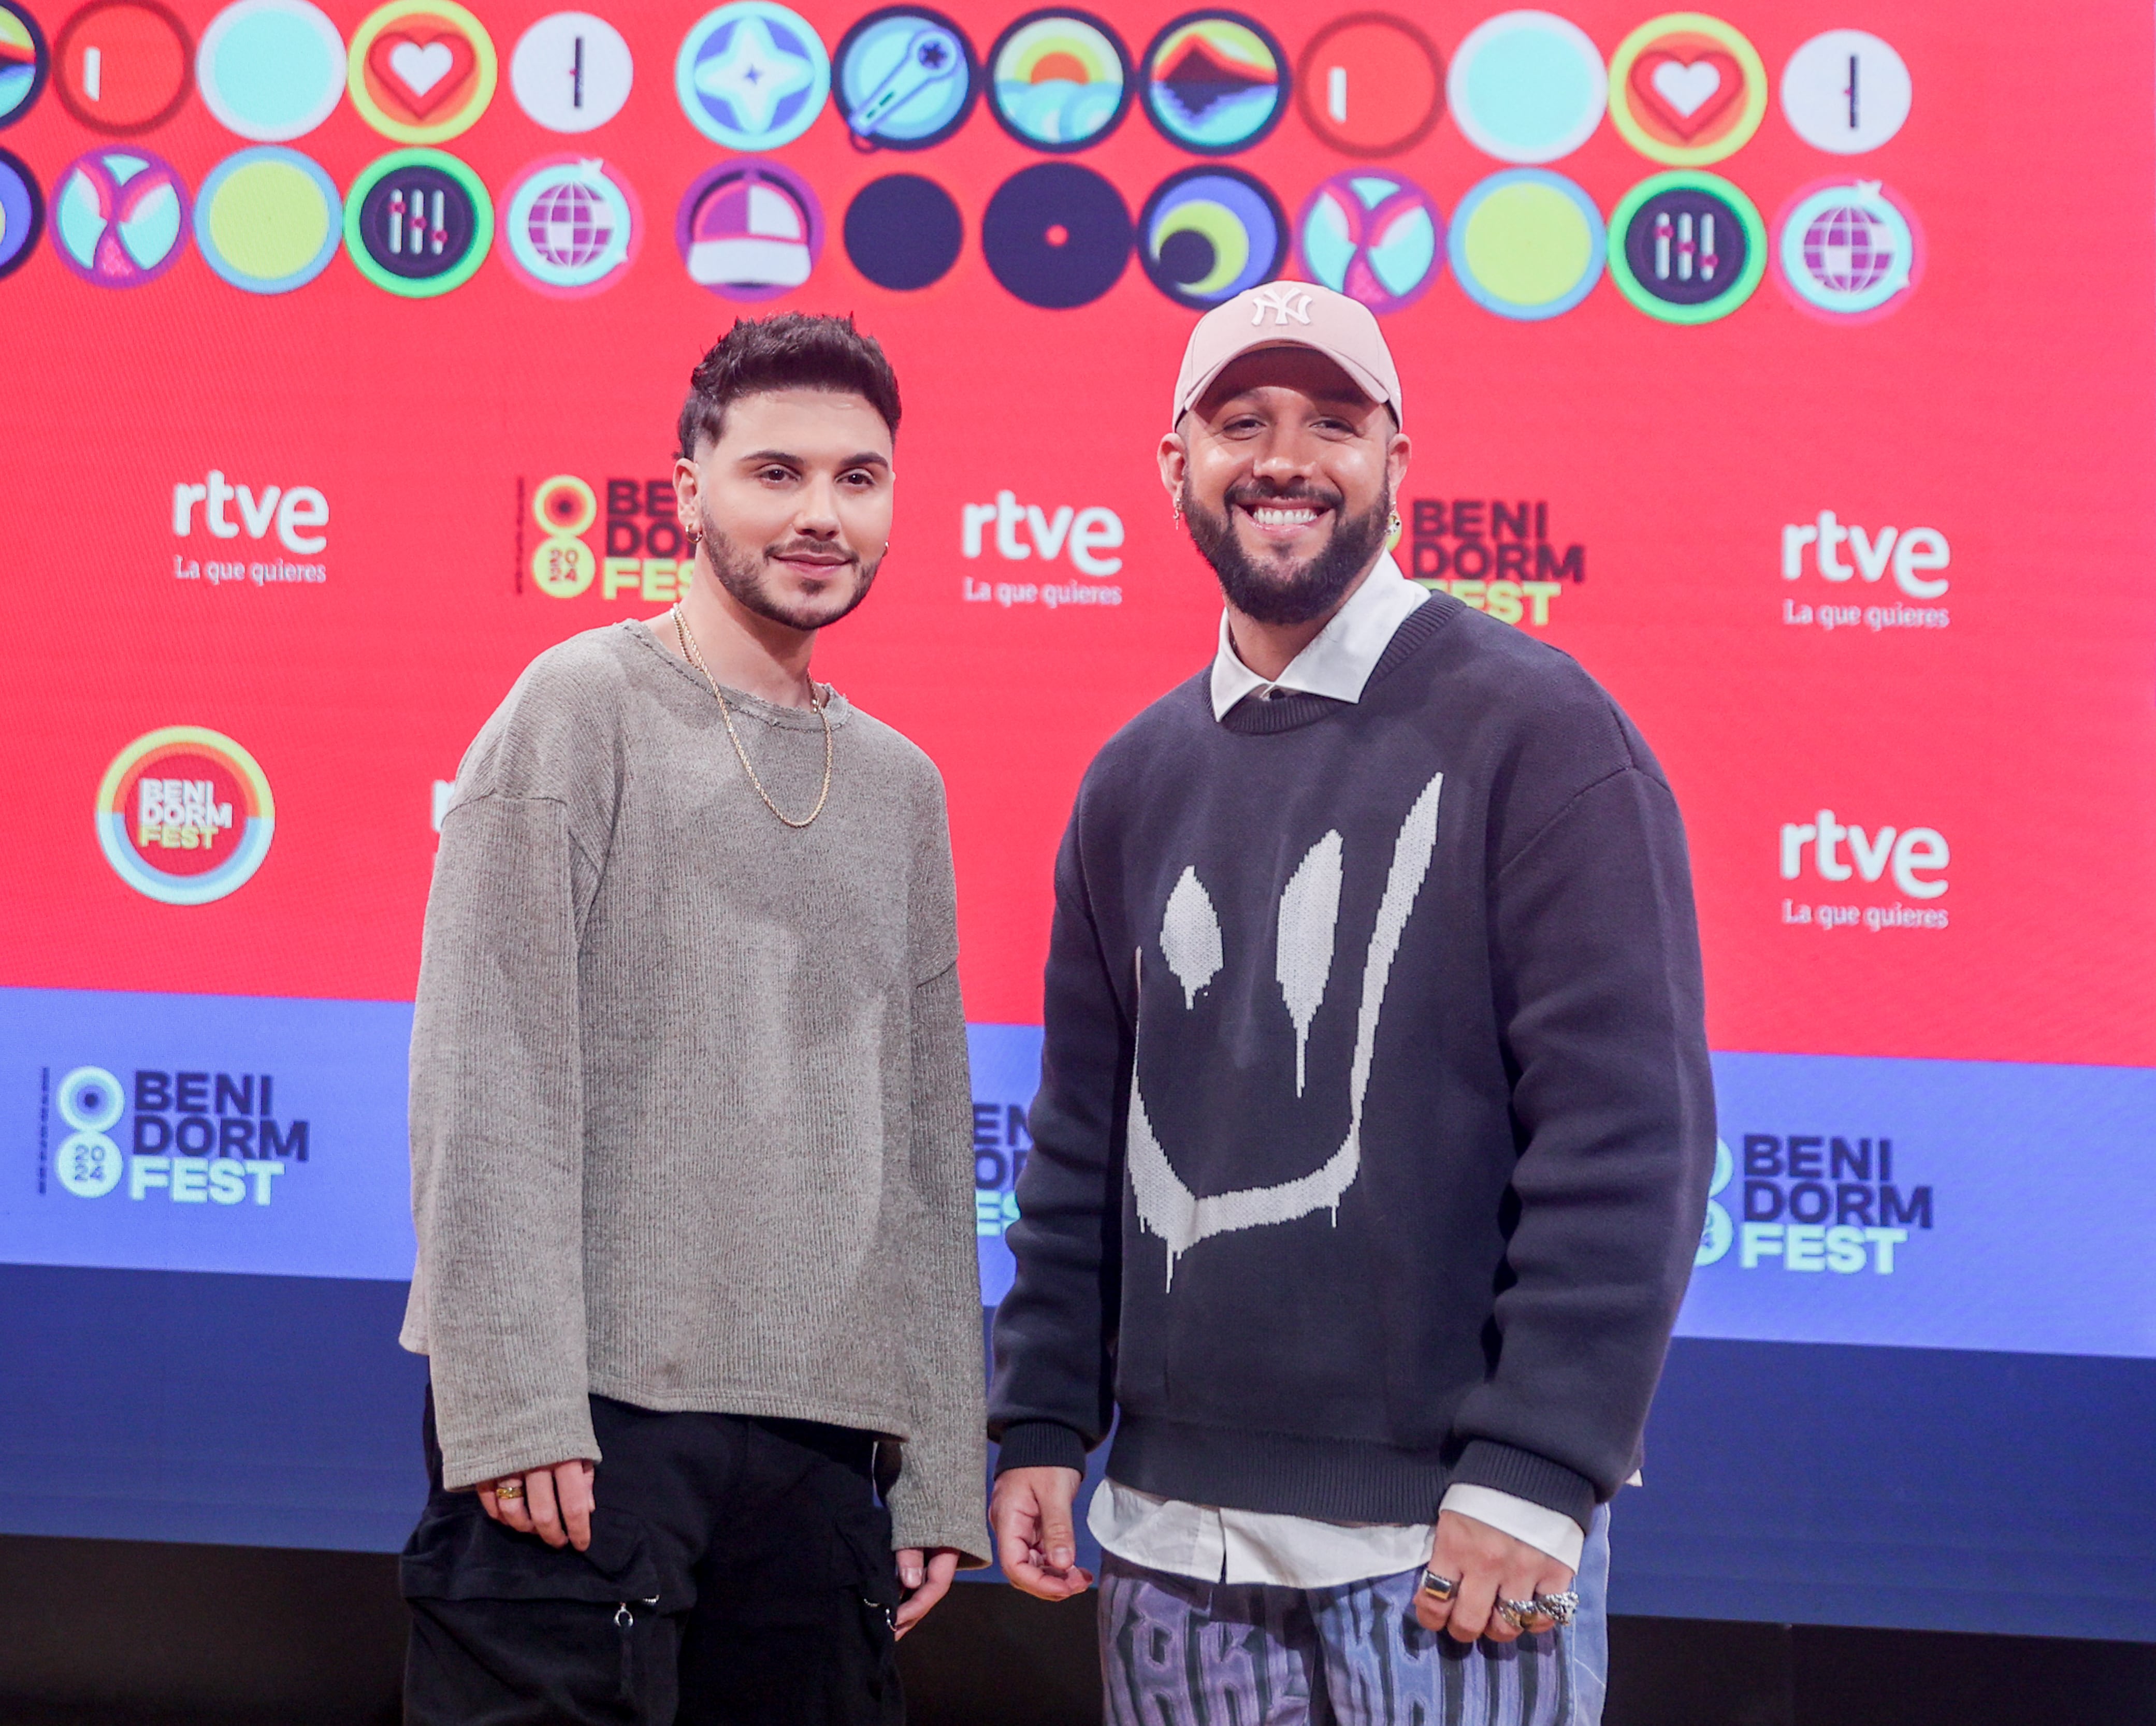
x: 1559, y: 1607
x: 508, y: 1491
x: 1517, y: 1613
x: 1441, y: 1589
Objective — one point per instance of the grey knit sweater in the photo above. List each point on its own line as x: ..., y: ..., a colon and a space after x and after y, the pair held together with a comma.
x: 690, y: 1119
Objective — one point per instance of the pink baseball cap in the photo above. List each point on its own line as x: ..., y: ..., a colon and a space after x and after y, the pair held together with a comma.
x: 1284, y: 314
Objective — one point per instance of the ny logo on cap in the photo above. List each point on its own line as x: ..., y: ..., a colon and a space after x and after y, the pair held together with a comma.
x: 1283, y: 302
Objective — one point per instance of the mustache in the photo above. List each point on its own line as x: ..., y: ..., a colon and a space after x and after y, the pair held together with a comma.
x: 819, y: 550
x: 1251, y: 493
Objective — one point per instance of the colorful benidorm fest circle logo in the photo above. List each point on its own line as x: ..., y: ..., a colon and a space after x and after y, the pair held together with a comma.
x: 750, y: 230
x: 22, y: 213
x: 906, y: 78
x: 271, y: 71
x: 1216, y: 82
x: 1209, y: 233
x: 120, y: 218
x: 421, y: 70
x: 1060, y: 79
x: 1688, y: 248
x: 122, y: 67
x: 1374, y: 237
x: 570, y: 225
x: 1687, y: 89
x: 1526, y: 87
x: 268, y: 219
x: 24, y: 62
x: 184, y: 815
x: 751, y: 75
x: 1527, y: 244
x: 1850, y: 251
x: 418, y: 223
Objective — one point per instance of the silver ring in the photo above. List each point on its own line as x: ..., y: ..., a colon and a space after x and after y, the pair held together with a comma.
x: 1440, y: 1588
x: 1558, y: 1607
x: 1517, y: 1613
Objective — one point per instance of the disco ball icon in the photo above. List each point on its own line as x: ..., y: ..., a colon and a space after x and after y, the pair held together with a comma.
x: 1848, y: 250
x: 570, y: 226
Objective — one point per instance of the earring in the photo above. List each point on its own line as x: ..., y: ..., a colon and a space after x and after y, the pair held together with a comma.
x: 695, y: 535
x: 1178, y: 515
x: 1393, y: 526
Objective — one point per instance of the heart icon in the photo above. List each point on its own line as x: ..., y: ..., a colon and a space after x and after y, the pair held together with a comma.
x: 420, y: 69
x: 1686, y: 93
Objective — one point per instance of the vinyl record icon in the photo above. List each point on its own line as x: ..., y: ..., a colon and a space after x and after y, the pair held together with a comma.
x: 1216, y: 82
x: 24, y: 62
x: 1209, y: 233
x: 22, y: 213
x: 906, y: 79
x: 1056, y: 235
x: 418, y: 223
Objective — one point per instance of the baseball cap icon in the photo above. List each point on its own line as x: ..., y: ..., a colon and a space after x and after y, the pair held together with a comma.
x: 1690, y: 247
x: 751, y: 75
x: 750, y: 230
x: 1687, y: 89
x: 418, y: 223
x: 906, y: 78
x: 122, y: 67
x: 421, y: 70
x: 120, y: 218
x: 24, y: 62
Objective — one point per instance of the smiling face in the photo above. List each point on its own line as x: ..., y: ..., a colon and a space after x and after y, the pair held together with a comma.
x: 1286, y: 472
x: 793, y: 501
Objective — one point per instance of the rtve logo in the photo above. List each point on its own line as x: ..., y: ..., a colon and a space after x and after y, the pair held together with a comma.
x: 1909, y: 553
x: 1082, y: 535
x: 1906, y: 852
x: 290, y: 510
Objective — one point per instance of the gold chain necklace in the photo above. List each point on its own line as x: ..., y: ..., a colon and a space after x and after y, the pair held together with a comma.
x: 689, y: 652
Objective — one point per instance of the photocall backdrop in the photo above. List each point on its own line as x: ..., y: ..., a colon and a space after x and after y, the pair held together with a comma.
x: 1790, y: 369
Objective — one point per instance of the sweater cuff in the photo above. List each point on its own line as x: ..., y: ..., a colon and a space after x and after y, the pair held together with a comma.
x: 1040, y: 1444
x: 1503, y: 1468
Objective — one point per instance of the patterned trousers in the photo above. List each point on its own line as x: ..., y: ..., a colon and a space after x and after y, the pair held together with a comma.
x: 1179, y: 1652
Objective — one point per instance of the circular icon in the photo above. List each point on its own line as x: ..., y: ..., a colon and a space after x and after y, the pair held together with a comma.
x: 562, y: 567
x: 1691, y: 247
x: 1527, y: 244
x: 268, y: 219
x: 751, y: 230
x: 90, y: 1100
x: 1374, y: 237
x: 906, y: 78
x: 571, y: 72
x: 87, y: 1164
x: 271, y: 71
x: 184, y: 815
x: 120, y: 218
x: 418, y: 223
x: 421, y: 70
x: 122, y: 66
x: 22, y: 213
x: 903, y: 232
x: 1845, y: 92
x: 1060, y: 79
x: 751, y: 75
x: 565, y: 505
x: 1849, y: 250
x: 1370, y: 84
x: 1527, y: 87
x: 570, y: 225
x: 1216, y: 82
x: 1209, y: 233
x: 24, y: 62
x: 1056, y: 235
x: 1687, y: 89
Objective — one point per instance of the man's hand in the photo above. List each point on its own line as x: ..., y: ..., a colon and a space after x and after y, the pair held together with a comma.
x: 927, y: 1579
x: 1030, y: 1515
x: 556, y: 1503
x: 1489, y: 1567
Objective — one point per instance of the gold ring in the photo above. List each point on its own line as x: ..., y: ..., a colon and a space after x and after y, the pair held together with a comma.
x: 509, y: 1489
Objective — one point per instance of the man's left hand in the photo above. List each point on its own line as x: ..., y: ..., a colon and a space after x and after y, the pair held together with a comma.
x: 1489, y: 1567
x: 927, y: 1579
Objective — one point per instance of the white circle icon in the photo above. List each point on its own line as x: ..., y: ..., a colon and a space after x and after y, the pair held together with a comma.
x: 271, y: 71
x: 571, y: 72
x: 1527, y: 87
x: 1845, y: 92
x: 90, y: 1099
x: 87, y: 1164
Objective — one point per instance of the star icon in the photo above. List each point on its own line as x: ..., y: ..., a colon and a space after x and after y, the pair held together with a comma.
x: 752, y: 74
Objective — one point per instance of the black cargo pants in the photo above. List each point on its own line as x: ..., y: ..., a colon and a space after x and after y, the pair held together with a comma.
x: 740, y: 1571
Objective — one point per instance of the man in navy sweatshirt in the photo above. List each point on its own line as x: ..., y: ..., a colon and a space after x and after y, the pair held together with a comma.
x: 1375, y: 1122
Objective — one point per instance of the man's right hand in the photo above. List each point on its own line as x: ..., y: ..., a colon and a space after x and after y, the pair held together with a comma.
x: 556, y: 1503
x: 1035, y: 1543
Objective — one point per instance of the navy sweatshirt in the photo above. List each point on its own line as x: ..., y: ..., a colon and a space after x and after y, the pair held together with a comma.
x: 1375, y: 1122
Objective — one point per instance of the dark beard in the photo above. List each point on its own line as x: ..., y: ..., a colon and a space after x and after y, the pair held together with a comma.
x: 1281, y: 593
x: 742, y: 575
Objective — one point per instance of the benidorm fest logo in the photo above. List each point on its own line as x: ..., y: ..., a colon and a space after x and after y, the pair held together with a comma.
x: 184, y: 815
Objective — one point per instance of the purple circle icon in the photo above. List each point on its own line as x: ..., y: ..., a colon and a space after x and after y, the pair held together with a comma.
x: 120, y: 217
x: 750, y: 230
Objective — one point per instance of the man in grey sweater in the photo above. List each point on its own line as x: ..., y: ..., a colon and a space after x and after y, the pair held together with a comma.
x: 690, y: 1129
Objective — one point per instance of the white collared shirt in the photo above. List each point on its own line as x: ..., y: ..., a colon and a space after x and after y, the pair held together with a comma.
x: 1247, y: 1546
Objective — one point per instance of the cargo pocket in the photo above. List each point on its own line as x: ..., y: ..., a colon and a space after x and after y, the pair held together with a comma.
x: 865, y: 1576
x: 506, y: 1625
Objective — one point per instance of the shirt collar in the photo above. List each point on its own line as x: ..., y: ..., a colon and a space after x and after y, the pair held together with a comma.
x: 1340, y: 657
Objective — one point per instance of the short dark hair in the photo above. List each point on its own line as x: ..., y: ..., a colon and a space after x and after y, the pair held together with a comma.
x: 790, y: 350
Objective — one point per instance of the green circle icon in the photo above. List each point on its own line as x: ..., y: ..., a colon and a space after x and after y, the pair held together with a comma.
x: 1686, y: 247
x: 418, y: 223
